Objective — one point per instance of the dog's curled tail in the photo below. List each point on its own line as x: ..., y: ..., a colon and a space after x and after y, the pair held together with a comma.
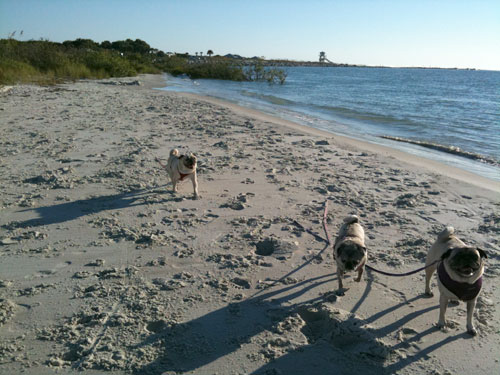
x: 351, y: 219
x: 174, y: 152
x: 446, y: 234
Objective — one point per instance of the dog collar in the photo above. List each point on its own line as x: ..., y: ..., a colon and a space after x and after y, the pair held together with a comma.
x: 464, y: 291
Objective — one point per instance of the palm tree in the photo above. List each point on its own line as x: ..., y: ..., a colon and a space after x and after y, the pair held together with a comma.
x: 210, y: 52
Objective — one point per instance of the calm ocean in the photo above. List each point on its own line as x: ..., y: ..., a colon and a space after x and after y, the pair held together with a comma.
x: 453, y: 108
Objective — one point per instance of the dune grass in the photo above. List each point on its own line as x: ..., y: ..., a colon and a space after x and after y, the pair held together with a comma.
x: 46, y: 62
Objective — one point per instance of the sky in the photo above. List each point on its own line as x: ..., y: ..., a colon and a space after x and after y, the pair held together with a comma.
x: 427, y: 33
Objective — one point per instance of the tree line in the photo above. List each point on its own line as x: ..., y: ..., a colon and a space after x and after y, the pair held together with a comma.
x: 46, y: 62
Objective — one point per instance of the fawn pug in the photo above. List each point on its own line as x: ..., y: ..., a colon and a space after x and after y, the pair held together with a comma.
x: 350, y: 250
x: 181, y: 166
x: 460, y: 273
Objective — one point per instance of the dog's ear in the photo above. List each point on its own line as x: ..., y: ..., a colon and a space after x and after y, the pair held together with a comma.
x: 364, y: 249
x: 447, y: 254
x: 482, y: 253
x: 339, y: 251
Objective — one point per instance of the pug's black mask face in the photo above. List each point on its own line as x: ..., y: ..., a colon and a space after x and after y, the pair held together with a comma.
x: 189, y: 161
x: 351, y: 255
x: 465, y: 261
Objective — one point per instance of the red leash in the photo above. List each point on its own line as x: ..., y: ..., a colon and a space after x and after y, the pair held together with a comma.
x: 325, y: 214
x: 314, y: 234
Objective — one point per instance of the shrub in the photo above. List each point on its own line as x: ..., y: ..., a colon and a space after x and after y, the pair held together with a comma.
x: 14, y: 72
x: 48, y: 62
x: 112, y: 64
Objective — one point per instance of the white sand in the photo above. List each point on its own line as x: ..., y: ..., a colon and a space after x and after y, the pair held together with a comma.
x: 103, y: 269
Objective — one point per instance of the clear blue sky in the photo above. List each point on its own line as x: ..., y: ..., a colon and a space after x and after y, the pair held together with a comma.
x: 444, y: 33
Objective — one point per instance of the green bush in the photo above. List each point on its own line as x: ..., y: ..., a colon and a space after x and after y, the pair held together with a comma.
x: 216, y: 70
x: 46, y: 62
x: 13, y: 72
x: 111, y: 63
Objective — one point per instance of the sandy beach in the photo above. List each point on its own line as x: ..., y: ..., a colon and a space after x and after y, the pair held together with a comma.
x: 104, y: 269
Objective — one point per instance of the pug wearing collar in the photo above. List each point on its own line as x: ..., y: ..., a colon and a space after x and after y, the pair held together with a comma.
x: 350, y: 250
x: 181, y: 166
x: 460, y: 272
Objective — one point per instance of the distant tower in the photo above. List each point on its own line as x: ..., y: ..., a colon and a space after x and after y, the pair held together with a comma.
x: 322, y: 57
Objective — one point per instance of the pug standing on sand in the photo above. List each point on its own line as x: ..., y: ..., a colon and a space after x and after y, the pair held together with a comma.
x: 180, y: 167
x: 460, y: 274
x: 350, y: 250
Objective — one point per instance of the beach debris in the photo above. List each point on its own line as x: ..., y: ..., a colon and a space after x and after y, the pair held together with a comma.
x: 96, y: 263
x: 168, y: 284
x: 7, y: 310
x: 447, y: 149
x: 34, y: 290
x: 8, y: 241
x: 5, y: 283
x: 237, y: 203
x: 323, y: 142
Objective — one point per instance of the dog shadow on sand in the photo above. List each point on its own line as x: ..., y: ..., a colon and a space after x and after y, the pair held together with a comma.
x: 315, y: 358
x: 187, y: 347
x: 68, y: 211
x: 191, y: 345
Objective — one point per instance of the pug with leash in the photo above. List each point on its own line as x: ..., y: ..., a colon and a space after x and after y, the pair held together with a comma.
x: 350, y: 250
x: 179, y: 167
x: 460, y: 274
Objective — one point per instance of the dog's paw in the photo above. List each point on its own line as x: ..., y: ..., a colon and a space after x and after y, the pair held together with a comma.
x: 428, y: 294
x: 442, y: 327
x: 471, y: 331
x: 340, y: 292
x: 196, y: 196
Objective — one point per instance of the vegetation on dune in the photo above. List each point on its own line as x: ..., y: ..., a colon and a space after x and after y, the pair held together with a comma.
x: 46, y: 62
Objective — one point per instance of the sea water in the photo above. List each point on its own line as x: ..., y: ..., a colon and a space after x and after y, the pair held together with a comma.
x: 453, y: 108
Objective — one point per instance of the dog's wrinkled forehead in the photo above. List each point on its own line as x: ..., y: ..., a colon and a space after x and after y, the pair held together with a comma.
x: 465, y: 254
x: 351, y: 249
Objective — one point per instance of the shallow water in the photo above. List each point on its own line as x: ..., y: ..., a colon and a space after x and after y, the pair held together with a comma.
x: 454, y: 108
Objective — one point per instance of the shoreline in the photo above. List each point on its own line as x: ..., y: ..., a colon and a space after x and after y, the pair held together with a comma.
x: 103, y: 269
x: 429, y: 164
